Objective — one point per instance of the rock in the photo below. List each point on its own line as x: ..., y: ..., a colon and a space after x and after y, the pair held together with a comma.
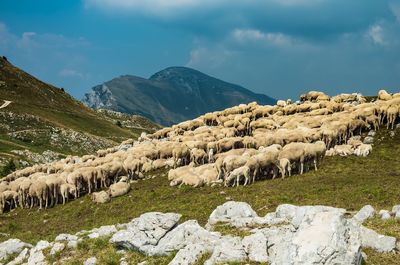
x: 11, y: 247
x: 228, y: 249
x: 255, y: 246
x: 385, y: 214
x: 314, y: 235
x: 57, y: 247
x: 91, y: 261
x: 189, y: 254
x: 380, y: 243
x: 72, y: 244
x: 42, y: 244
x: 371, y: 133
x: 365, y: 213
x: 392, y: 133
x: 145, y: 231
x: 106, y: 230
x: 20, y: 258
x: 238, y: 214
x: 187, y: 233
x: 142, y: 263
x: 66, y: 237
x: 368, y: 140
x: 396, y: 211
x: 397, y: 126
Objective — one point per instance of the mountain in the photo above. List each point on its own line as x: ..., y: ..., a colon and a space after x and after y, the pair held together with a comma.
x: 37, y: 118
x: 170, y: 96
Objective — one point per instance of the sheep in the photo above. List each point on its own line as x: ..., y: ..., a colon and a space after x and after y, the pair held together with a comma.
x: 343, y: 150
x: 285, y: 166
x: 100, y: 197
x: 119, y: 189
x: 198, y: 156
x: 11, y: 196
x: 181, y: 152
x: 383, y: 95
x: 363, y: 150
x: 294, y: 152
x: 237, y: 174
x: 39, y: 190
x: 67, y: 189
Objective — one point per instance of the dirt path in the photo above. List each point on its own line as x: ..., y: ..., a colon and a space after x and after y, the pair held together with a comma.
x: 6, y: 103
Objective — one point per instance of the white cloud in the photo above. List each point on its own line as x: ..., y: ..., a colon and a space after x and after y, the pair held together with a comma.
x: 201, y: 56
x: 375, y: 32
x: 245, y: 35
x: 395, y: 7
x: 71, y: 73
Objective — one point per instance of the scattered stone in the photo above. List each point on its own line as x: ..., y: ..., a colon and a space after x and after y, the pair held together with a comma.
x: 145, y: 231
x: 91, y: 261
x: 255, y: 246
x: 20, y: 258
x: 385, y: 214
x: 396, y: 211
x: 189, y: 254
x: 365, y: 213
x: 11, y: 247
x: 228, y: 198
x: 398, y: 126
x: 228, y: 249
x: 106, y: 230
x: 372, y: 239
x: 392, y: 133
x: 66, y: 237
x: 237, y: 214
x: 57, y: 247
x: 222, y: 192
x: 371, y: 133
x: 368, y: 140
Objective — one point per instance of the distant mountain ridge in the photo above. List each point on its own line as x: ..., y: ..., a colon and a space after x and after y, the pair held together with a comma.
x: 170, y: 96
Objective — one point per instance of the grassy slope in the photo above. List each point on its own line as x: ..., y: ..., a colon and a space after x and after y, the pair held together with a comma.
x: 348, y: 182
x: 32, y: 96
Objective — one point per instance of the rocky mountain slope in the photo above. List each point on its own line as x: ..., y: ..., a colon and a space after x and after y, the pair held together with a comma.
x: 37, y: 117
x: 171, y: 95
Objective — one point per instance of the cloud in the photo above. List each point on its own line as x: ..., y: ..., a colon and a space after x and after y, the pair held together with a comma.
x: 245, y: 35
x: 214, y: 57
x: 395, y: 7
x: 71, y: 73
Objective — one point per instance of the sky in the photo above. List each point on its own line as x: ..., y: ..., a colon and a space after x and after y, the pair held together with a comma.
x: 281, y: 48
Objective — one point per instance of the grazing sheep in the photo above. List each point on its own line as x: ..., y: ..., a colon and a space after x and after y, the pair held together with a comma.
x: 237, y: 174
x: 198, y: 156
x: 285, y: 167
x: 39, y: 191
x: 67, y: 189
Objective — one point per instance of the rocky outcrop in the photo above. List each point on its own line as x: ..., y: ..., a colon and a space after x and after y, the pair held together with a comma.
x: 290, y: 235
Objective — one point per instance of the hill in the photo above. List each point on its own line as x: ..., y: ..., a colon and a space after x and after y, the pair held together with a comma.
x: 171, y: 95
x: 38, y: 117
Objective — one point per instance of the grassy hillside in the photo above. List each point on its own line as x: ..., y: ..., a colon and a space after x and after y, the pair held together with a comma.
x: 43, y: 117
x: 348, y: 182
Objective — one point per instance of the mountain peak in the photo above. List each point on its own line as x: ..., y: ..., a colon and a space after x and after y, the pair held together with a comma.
x: 171, y: 95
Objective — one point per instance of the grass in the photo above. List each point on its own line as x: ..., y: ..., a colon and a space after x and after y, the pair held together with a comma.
x: 347, y: 182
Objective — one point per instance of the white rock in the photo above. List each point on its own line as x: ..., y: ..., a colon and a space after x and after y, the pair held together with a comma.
x: 106, y: 230
x: 11, y: 247
x: 189, y: 255
x: 371, y: 133
x: 36, y: 257
x: 372, y: 239
x: 187, y: 233
x: 66, y: 237
x: 396, y: 211
x: 365, y: 213
x: 238, y: 214
x: 72, y: 244
x: 368, y: 140
x: 145, y: 231
x: 228, y: 249
x: 42, y: 244
x: 91, y: 261
x: 57, y: 247
x: 255, y: 246
x: 20, y: 258
x: 385, y: 214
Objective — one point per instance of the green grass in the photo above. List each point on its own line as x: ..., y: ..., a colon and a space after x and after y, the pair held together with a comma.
x: 348, y: 182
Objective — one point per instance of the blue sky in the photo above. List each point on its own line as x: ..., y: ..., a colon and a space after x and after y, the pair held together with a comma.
x: 278, y: 47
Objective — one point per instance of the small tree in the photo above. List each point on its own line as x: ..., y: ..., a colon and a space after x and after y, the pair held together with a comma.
x: 5, y: 58
x: 62, y: 89
x: 8, y: 168
x: 119, y: 124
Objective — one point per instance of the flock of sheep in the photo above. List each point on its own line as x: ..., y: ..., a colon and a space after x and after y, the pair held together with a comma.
x: 238, y: 145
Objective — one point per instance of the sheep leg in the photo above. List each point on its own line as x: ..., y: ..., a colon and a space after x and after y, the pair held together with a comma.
x: 301, y: 167
x: 315, y: 164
